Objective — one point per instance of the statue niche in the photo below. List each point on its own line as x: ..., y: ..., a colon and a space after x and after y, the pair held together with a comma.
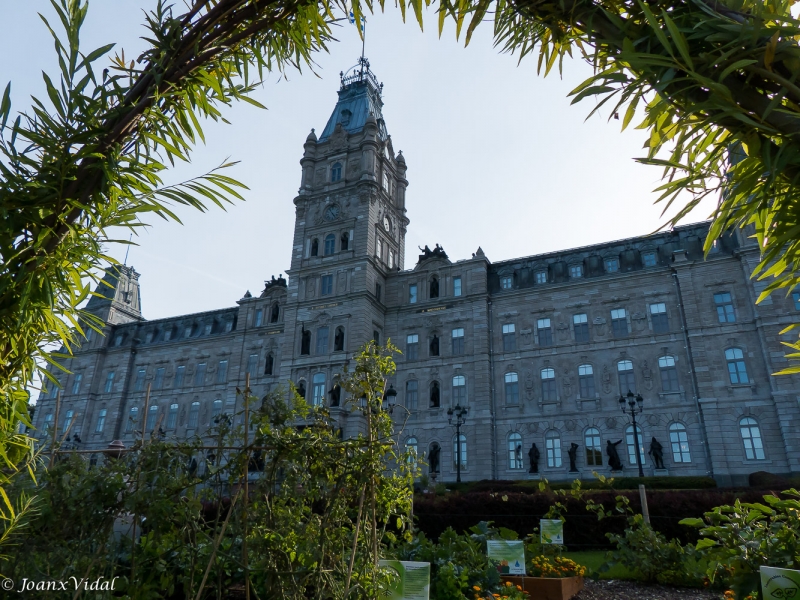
x: 434, y: 345
x: 434, y: 395
x: 533, y: 457
x: 305, y: 342
x: 433, y: 458
x: 338, y: 340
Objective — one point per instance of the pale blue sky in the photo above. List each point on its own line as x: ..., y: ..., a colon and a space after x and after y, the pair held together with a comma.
x: 496, y: 155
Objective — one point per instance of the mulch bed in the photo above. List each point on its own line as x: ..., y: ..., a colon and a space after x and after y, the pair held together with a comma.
x: 630, y: 590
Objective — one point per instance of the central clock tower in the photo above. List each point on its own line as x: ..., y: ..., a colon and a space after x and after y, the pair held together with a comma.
x: 349, y: 235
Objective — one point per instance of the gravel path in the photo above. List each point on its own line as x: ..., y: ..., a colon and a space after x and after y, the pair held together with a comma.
x: 629, y: 590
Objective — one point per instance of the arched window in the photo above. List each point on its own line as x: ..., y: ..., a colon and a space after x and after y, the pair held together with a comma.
x: 132, y: 418
x: 549, y: 393
x: 345, y: 241
x: 680, y: 443
x: 411, y: 448
x: 669, y: 374
x: 435, y: 400
x: 172, y: 416
x: 627, y: 380
x: 338, y: 340
x: 515, y: 451
x: 336, y: 171
x: 216, y: 409
x: 459, y: 390
x: 315, y: 247
x: 391, y: 259
x: 512, y: 388
x: 552, y: 444
x: 632, y: 445
x: 274, y: 313
x: 434, y: 287
x: 751, y: 437
x: 411, y: 394
x: 594, y: 452
x: 194, y: 414
x: 101, y: 420
x: 48, y: 422
x: 318, y: 390
x: 152, y: 413
x: 460, y: 451
x: 737, y: 370
x: 330, y: 244
x: 586, y: 382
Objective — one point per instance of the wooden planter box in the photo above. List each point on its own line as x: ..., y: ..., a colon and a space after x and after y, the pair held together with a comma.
x: 547, y: 588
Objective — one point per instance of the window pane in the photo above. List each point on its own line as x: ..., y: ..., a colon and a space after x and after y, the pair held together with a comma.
x: 576, y: 271
x: 724, y: 302
x: 412, y: 347
x: 172, y: 417
x: 457, y: 286
x: 553, y: 448
x: 462, y: 455
x: 586, y: 381
x: 512, y: 388
x: 194, y: 412
x: 594, y: 453
x: 612, y: 265
x: 541, y: 276
x: 222, y: 371
x: 200, y: 374
x: 330, y: 244
x: 252, y: 365
x: 318, y: 391
x: 179, y: 372
x: 322, y: 340
x: 632, y: 447
x: 505, y: 283
x: 412, y: 294
x: 158, y: 383
x: 458, y: 341
x: 412, y: 388
x: 515, y: 451
x: 258, y: 320
x: 101, y: 421
x: 326, y: 287
x: 680, y: 443
x: 649, y: 259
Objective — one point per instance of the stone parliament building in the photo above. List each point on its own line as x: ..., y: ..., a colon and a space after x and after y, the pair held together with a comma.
x: 538, y: 348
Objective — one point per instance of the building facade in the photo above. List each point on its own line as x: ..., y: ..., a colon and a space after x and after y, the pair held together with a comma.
x: 538, y: 348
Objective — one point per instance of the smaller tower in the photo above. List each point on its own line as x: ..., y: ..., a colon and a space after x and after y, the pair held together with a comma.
x: 117, y: 298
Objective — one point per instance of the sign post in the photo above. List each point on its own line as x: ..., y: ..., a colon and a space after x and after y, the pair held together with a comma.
x: 551, y: 531
x: 412, y: 581
x: 510, y: 554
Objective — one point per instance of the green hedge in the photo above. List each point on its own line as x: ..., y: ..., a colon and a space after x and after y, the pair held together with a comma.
x: 623, y: 483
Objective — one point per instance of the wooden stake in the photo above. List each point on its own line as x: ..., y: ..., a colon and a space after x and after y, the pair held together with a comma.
x: 643, y: 499
x: 144, y: 414
x: 216, y: 545
x: 138, y: 472
x: 55, y: 430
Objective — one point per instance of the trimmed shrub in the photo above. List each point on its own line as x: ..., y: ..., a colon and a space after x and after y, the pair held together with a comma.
x: 522, y: 511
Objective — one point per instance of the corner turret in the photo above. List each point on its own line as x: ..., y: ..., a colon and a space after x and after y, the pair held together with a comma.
x: 117, y: 297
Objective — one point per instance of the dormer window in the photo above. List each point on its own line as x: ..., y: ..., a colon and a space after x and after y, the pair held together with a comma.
x: 346, y: 115
x: 505, y: 282
x: 576, y: 271
x: 336, y: 172
x: 649, y: 259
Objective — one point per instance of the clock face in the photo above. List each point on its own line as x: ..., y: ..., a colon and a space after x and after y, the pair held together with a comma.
x: 386, y: 223
x: 332, y: 212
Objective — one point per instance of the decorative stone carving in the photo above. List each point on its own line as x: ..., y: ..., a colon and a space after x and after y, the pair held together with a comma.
x: 648, y: 376
x: 525, y: 334
x: 563, y: 331
x: 599, y: 326
x: 567, y: 382
x: 606, y: 379
x: 639, y: 320
x: 653, y: 420
x: 533, y: 427
x: 611, y: 423
x: 570, y: 425
x: 529, y: 386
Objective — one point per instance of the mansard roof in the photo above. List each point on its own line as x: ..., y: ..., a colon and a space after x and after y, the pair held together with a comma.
x: 359, y: 97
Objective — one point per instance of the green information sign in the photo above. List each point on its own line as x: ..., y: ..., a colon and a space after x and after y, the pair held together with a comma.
x: 510, y: 555
x: 779, y: 583
x: 413, y: 580
x: 551, y: 531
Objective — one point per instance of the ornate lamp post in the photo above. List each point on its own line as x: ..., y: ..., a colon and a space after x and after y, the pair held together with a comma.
x: 390, y: 397
x: 460, y: 413
x: 632, y: 410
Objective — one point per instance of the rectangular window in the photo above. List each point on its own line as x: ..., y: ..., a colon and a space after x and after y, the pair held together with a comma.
x: 252, y: 365
x: 412, y: 293
x: 544, y: 332
x: 549, y: 392
x: 139, y: 385
x: 152, y: 413
x: 194, y: 414
x: 322, y: 340
x: 658, y: 313
x: 67, y: 420
x: 581, y: 325
x: 109, y: 382
x: 412, y: 389
x: 649, y: 259
x: 541, y: 276
x: 594, y: 452
x: 200, y: 374
x: 207, y: 328
x: 505, y: 282
x: 412, y: 347
x: 458, y: 341
x: 326, y: 289
x: 179, y: 373
x: 459, y: 390
x: 724, y: 304
x: 101, y: 421
x: 172, y: 416
x: 457, y: 287
x: 576, y: 272
x: 512, y: 388
x: 378, y: 291
x: 158, y: 382
x: 553, y: 447
x: 222, y: 371
x: 586, y: 381
x: 76, y: 383
x: 509, y: 338
x: 612, y: 265
x: 619, y: 322
x: 259, y: 318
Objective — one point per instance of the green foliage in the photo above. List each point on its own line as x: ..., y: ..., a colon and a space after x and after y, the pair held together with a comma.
x: 93, y: 154
x: 717, y: 82
x: 317, y: 517
x: 738, y: 539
